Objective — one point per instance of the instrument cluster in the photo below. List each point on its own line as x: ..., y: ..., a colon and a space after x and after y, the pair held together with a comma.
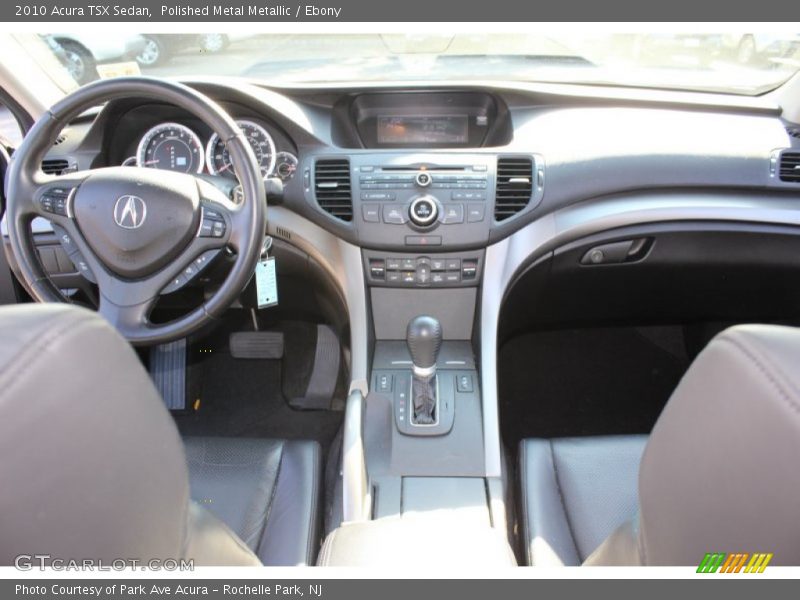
x: 176, y: 147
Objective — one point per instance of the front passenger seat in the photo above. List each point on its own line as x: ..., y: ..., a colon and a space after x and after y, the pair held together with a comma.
x: 719, y: 472
x: 92, y: 466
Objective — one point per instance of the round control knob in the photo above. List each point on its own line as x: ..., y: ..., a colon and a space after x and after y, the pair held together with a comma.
x: 423, y: 211
x: 423, y: 179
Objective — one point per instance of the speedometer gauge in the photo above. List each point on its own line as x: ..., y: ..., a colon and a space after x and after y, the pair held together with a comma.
x: 172, y: 147
x: 219, y: 160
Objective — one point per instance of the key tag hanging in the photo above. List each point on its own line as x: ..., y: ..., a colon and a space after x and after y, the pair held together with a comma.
x: 266, y: 278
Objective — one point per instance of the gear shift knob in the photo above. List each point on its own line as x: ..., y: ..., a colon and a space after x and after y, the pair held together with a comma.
x: 424, y: 339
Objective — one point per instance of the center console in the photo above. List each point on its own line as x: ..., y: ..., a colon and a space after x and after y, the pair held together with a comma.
x: 414, y: 455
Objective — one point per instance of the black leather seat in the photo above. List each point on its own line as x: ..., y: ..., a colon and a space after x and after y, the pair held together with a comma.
x: 575, y: 493
x: 266, y: 491
x: 718, y: 473
x: 93, y: 467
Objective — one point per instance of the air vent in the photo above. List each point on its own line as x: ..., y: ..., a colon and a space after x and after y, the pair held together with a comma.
x: 332, y: 188
x: 793, y: 132
x: 514, y: 186
x: 55, y: 166
x: 790, y: 167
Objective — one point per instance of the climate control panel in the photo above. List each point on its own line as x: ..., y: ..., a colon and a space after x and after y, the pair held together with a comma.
x: 389, y: 269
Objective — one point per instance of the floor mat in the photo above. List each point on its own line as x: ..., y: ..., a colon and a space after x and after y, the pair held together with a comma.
x: 243, y: 397
x: 587, y: 382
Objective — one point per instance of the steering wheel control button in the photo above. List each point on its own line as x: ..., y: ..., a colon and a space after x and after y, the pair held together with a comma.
x: 393, y: 215
x: 54, y: 201
x: 453, y: 213
x: 423, y: 179
x: 423, y: 211
x: 65, y: 239
x: 174, y: 285
x: 82, y: 266
x: 213, y: 224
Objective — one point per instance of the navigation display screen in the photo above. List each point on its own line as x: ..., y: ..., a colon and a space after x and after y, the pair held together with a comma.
x: 445, y: 129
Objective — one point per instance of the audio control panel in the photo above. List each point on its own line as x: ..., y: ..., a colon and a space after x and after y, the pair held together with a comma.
x: 431, y: 270
x: 419, y: 201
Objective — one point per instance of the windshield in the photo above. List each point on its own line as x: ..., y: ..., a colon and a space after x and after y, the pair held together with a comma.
x: 743, y: 63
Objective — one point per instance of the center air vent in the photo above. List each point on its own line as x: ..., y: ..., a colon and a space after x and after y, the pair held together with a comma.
x: 332, y: 187
x: 55, y: 166
x: 514, y: 186
x: 790, y: 167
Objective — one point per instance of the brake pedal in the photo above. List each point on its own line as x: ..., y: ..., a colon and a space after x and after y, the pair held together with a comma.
x: 256, y: 345
x: 168, y: 370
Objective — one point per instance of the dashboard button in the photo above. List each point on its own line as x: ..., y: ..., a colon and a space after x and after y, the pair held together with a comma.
x: 393, y: 264
x: 453, y: 264
x: 423, y: 211
x: 437, y: 277
x: 423, y: 274
x: 377, y: 269
x: 452, y: 277
x: 438, y: 264
x: 393, y: 276
x: 409, y: 276
x: 408, y: 264
x: 453, y: 213
x: 371, y: 213
x: 423, y: 240
x: 423, y: 179
x: 393, y: 215
x: 377, y: 196
x: 475, y: 213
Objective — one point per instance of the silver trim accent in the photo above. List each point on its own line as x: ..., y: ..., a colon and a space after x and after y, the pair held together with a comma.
x: 342, y: 261
x: 424, y: 371
x: 357, y: 496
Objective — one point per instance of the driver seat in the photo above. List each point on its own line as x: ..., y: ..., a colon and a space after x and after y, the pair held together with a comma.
x: 93, y: 466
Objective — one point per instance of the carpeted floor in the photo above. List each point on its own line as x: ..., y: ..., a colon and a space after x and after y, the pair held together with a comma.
x: 588, y: 381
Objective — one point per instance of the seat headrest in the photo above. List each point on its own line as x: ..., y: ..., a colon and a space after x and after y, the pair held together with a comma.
x: 91, y: 462
x: 720, y: 471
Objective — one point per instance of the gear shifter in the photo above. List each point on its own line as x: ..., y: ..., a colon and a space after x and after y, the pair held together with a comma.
x: 424, y: 339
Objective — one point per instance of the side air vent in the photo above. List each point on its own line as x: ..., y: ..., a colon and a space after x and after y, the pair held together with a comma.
x: 790, y: 167
x: 514, y: 186
x: 55, y: 166
x: 332, y: 187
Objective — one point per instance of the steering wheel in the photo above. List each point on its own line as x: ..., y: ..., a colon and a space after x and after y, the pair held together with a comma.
x: 137, y: 231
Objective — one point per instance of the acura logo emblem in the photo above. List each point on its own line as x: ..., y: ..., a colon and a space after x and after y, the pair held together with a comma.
x: 130, y: 212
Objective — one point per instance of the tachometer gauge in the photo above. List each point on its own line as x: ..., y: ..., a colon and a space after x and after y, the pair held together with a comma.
x: 285, y: 165
x: 172, y: 147
x: 219, y: 161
